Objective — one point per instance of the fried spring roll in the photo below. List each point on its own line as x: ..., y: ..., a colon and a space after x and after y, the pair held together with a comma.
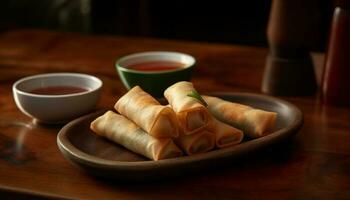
x: 191, y: 114
x: 225, y: 135
x: 121, y: 130
x: 195, y: 143
x: 145, y: 111
x: 254, y: 122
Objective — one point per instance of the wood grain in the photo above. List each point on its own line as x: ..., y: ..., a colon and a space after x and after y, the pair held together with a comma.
x: 313, y: 165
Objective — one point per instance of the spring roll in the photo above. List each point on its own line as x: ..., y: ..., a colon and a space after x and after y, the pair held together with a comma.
x: 145, y: 111
x: 191, y: 114
x: 121, y: 130
x: 225, y: 135
x: 254, y: 122
x: 195, y: 143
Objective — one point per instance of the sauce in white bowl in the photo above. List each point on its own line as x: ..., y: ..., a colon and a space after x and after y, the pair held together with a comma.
x: 57, y: 97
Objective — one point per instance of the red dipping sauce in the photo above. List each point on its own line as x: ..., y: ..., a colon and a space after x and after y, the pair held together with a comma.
x: 156, y: 66
x: 58, y: 90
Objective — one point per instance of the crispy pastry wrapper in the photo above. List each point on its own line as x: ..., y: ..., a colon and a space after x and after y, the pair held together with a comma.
x: 255, y: 123
x: 225, y: 135
x: 145, y: 111
x: 191, y: 114
x: 121, y: 130
x: 200, y: 141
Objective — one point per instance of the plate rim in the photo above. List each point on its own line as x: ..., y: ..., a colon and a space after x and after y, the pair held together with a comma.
x: 66, y: 147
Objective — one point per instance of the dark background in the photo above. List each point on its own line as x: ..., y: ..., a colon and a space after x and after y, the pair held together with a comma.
x: 237, y: 22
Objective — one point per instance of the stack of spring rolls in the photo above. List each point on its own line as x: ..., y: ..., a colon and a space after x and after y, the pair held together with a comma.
x: 187, y: 125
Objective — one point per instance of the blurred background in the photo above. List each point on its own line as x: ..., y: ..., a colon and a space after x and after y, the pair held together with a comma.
x: 236, y: 22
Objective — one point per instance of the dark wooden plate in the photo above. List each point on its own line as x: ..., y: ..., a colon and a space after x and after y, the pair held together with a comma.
x: 104, y: 158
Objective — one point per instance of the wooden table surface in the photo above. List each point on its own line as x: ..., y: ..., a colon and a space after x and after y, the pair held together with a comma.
x: 313, y: 165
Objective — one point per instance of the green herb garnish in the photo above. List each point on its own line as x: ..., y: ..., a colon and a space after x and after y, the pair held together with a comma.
x: 197, y: 96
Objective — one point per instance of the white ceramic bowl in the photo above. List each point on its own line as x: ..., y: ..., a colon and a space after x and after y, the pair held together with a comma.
x: 56, y: 108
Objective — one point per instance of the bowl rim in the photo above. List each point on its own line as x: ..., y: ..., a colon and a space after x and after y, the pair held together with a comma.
x: 16, y: 90
x: 146, y: 53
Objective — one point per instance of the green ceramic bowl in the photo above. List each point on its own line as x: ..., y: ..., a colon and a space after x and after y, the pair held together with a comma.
x: 154, y: 82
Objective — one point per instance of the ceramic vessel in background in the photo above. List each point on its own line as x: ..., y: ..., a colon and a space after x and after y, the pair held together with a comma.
x: 336, y: 81
x: 289, y: 68
x: 288, y: 76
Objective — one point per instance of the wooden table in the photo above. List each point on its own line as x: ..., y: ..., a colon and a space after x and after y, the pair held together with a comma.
x: 313, y: 165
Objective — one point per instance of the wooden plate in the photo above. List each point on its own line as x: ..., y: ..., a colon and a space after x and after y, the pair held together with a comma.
x: 104, y: 158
